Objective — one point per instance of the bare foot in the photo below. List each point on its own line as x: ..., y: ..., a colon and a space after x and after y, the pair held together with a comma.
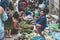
x: 10, y: 36
x: 6, y: 36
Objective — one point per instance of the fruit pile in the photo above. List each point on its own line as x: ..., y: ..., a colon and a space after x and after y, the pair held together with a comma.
x: 26, y: 26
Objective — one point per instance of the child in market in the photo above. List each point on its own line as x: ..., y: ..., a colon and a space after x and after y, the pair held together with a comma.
x: 15, y: 20
x: 8, y: 23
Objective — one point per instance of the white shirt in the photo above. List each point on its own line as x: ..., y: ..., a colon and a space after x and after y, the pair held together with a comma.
x: 28, y: 17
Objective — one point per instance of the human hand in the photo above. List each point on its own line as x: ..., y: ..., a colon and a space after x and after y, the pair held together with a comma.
x: 21, y: 29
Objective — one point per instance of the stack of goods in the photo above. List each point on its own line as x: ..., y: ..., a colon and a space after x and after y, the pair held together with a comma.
x: 26, y: 26
x: 56, y: 35
x: 35, y: 36
x: 52, y: 34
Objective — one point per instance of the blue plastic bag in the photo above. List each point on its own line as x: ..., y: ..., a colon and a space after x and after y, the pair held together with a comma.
x: 56, y: 35
x: 38, y: 38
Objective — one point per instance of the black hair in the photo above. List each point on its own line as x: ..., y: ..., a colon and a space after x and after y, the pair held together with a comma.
x: 16, y: 15
x: 44, y: 12
x: 47, y: 10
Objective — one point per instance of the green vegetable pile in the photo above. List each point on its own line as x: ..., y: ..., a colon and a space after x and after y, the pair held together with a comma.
x: 26, y: 26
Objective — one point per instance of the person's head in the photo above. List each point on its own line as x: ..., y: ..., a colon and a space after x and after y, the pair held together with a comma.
x: 28, y: 12
x: 1, y: 11
x: 7, y: 8
x: 14, y: 1
x: 43, y: 12
x: 16, y: 15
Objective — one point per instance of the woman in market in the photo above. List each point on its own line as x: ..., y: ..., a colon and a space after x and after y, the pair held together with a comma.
x: 16, y: 23
x: 41, y: 22
x: 3, y: 18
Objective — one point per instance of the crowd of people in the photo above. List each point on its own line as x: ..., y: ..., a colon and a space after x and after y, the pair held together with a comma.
x: 14, y: 11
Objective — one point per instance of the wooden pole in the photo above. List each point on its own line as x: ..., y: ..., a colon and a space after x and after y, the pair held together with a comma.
x: 59, y: 14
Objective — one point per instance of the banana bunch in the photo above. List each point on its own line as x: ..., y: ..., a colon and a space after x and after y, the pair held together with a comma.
x: 24, y: 24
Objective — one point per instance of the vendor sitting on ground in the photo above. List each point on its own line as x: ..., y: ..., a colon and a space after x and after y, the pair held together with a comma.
x: 41, y: 22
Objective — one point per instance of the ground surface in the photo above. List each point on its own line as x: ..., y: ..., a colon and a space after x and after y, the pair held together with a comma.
x: 14, y: 37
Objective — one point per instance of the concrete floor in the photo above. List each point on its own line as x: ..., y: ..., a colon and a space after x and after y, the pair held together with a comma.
x: 13, y: 37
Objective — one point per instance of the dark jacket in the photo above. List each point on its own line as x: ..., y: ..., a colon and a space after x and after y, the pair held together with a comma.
x: 42, y: 21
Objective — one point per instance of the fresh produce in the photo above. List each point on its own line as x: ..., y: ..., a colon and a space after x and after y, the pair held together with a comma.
x: 28, y: 31
x: 24, y: 24
x: 31, y: 35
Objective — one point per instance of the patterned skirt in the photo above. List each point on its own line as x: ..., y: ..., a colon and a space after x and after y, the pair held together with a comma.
x: 8, y: 24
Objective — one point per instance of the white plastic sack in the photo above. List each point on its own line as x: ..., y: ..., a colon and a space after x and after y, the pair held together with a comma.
x: 42, y: 6
x: 28, y: 17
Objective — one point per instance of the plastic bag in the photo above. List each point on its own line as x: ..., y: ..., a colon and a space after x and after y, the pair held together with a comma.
x: 38, y: 38
x: 42, y: 6
x: 56, y: 35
